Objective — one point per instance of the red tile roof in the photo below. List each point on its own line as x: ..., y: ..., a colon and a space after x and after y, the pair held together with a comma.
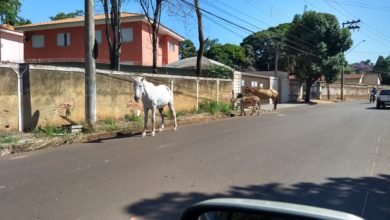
x: 7, y: 27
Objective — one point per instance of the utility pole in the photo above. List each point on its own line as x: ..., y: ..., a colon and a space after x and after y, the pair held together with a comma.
x: 351, y: 25
x: 276, y: 60
x: 90, y: 75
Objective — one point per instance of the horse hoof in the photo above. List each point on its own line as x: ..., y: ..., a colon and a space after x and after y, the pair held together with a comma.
x: 143, y: 134
x: 174, y: 129
x: 153, y: 133
x: 160, y: 130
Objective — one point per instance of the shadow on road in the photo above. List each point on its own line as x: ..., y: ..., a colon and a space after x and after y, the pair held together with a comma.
x: 378, y: 109
x: 367, y: 196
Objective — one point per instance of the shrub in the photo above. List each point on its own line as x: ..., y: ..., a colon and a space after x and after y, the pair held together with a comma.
x: 110, y: 124
x: 7, y: 139
x: 50, y: 131
x: 214, y: 107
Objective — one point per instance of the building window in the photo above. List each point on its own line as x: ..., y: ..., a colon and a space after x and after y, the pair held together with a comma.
x: 242, y: 82
x: 63, y: 39
x: 38, y: 41
x: 253, y: 83
x: 98, y: 36
x: 127, y: 35
x: 171, y: 46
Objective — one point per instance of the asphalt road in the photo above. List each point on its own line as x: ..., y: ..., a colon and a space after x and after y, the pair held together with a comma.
x: 333, y: 156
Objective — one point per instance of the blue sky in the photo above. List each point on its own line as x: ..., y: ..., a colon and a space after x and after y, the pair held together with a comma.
x: 255, y: 15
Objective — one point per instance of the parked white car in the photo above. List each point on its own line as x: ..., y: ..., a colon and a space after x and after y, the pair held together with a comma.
x: 383, y: 98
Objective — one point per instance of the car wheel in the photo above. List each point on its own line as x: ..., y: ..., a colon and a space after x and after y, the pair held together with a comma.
x: 378, y: 105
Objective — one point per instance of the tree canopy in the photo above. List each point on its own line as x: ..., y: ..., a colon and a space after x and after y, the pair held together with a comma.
x: 187, y: 49
x: 63, y: 15
x: 320, y: 40
x: 261, y: 46
x: 229, y: 54
x: 382, y: 66
x: 9, y: 10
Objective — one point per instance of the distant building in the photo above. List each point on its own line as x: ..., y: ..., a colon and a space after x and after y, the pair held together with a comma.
x: 63, y: 41
x: 11, y: 44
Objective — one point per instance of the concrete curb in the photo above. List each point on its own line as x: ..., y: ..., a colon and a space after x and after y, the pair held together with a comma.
x: 86, y: 138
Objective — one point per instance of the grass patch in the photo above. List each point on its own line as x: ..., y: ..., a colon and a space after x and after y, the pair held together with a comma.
x: 136, y: 119
x: 50, y: 131
x: 214, y: 107
x: 110, y: 124
x: 7, y: 139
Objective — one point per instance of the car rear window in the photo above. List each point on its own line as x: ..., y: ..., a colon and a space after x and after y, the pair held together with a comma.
x: 385, y: 92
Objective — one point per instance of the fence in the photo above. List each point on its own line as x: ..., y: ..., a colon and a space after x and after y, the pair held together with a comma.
x: 46, y: 90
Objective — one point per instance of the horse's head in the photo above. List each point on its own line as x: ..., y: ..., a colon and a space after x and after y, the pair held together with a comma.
x: 138, y: 87
x: 247, y: 90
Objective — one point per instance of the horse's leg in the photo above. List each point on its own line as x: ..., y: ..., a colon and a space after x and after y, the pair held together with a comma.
x: 258, y: 108
x: 153, y: 120
x: 275, y: 102
x: 162, y: 119
x: 173, y: 113
x: 253, y: 108
x: 146, y: 111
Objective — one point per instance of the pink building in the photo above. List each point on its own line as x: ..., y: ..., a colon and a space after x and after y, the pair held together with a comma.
x: 63, y: 41
x: 11, y: 44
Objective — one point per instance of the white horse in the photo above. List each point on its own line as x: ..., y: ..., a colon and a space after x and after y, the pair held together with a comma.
x: 154, y: 97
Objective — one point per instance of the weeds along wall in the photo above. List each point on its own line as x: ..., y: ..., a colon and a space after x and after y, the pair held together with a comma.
x: 56, y: 95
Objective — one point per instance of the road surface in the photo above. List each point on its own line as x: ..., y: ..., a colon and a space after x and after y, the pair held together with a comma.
x: 333, y: 156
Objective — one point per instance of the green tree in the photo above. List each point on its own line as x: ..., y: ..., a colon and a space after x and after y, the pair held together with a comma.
x: 261, y: 47
x: 382, y: 66
x: 187, y: 49
x: 229, y: 54
x: 63, y: 15
x: 324, y: 39
x: 332, y: 68
x: 9, y: 10
x: 22, y: 21
x: 208, y: 43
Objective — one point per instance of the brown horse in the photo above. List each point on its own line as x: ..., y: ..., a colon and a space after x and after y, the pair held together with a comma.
x: 264, y: 94
x: 245, y: 102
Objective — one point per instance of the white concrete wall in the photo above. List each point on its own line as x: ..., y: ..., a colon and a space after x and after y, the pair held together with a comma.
x: 11, y: 50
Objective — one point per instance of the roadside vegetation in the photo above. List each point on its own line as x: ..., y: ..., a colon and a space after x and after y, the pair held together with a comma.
x: 7, y: 139
x: 214, y: 107
x: 50, y: 131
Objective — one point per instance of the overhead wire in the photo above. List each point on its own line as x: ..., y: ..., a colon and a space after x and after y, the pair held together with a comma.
x: 246, y: 29
x: 308, y: 44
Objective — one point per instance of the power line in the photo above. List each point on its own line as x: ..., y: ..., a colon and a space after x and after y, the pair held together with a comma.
x: 308, y: 44
x: 246, y: 29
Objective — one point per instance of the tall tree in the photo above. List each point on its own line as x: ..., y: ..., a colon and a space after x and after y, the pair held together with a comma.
x: 326, y: 39
x: 228, y: 54
x: 63, y: 15
x: 9, y: 10
x: 112, y: 12
x: 382, y: 66
x: 332, y: 68
x: 186, y: 49
x: 201, y: 39
x: 261, y: 47
x: 152, y: 10
x: 208, y: 43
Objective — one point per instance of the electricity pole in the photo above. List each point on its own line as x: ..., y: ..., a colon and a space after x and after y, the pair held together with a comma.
x: 90, y: 75
x: 276, y: 60
x: 351, y: 25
